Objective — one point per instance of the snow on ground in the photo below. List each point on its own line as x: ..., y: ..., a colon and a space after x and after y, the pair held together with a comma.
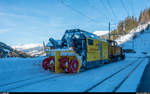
x: 13, y: 69
x: 73, y: 82
x: 141, y: 44
x: 110, y: 84
x: 27, y: 75
x: 130, y: 85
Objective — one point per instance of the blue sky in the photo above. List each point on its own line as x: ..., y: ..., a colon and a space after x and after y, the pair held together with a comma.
x: 34, y: 21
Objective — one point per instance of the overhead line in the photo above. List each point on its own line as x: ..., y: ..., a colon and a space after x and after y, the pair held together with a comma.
x: 102, y: 3
x: 147, y: 4
x: 124, y: 7
x: 111, y: 8
x: 132, y: 7
x: 94, y: 8
x: 75, y: 10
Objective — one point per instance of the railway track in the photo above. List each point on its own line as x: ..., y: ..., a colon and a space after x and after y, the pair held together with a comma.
x: 115, y: 73
x: 29, y: 78
x: 41, y: 78
x: 26, y: 82
x: 129, y: 74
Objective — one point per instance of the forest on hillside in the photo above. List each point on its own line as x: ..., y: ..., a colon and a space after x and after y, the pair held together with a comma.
x: 129, y: 23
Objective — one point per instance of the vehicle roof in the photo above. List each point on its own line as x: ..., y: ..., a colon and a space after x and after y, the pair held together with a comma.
x: 86, y: 34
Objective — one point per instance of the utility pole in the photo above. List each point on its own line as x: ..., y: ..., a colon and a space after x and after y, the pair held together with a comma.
x: 109, y: 30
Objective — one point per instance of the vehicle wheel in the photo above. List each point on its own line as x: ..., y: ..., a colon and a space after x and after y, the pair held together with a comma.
x: 122, y: 57
x: 117, y: 58
x: 105, y: 62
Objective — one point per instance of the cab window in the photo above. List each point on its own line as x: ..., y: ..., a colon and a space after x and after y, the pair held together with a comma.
x: 90, y: 42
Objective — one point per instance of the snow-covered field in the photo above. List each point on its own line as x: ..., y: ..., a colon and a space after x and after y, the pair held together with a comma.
x: 27, y: 75
x: 22, y: 75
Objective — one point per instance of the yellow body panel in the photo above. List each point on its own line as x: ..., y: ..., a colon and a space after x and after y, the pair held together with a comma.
x: 57, y: 64
x: 118, y: 50
x: 115, y: 51
x: 94, y: 47
x: 104, y: 50
x: 94, y: 52
x: 93, y: 56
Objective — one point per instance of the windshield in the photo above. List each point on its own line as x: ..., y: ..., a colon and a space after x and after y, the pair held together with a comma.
x: 67, y: 39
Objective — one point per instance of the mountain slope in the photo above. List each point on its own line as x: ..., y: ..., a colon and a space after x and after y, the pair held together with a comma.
x: 7, y: 51
x: 31, y: 49
x: 101, y: 33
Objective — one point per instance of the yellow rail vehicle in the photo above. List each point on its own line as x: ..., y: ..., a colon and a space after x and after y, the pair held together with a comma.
x: 97, y: 52
x: 78, y: 51
x: 115, y: 51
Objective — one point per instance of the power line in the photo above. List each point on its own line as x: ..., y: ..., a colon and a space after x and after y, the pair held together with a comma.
x: 94, y: 8
x: 122, y: 3
x: 111, y: 11
x: 147, y: 4
x: 128, y: 15
x: 102, y: 3
x: 124, y: 7
x: 111, y: 8
x: 132, y: 7
x: 75, y: 10
x: 105, y: 7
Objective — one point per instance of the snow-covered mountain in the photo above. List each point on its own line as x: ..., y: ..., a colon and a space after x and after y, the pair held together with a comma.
x: 33, y: 49
x: 101, y: 33
x: 7, y: 51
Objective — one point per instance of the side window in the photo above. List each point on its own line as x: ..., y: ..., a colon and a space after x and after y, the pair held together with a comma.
x: 90, y: 42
